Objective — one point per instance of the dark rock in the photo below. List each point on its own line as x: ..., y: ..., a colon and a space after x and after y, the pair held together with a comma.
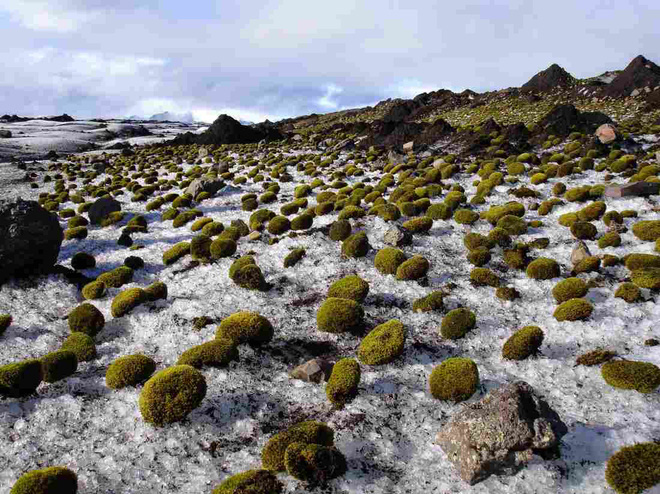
x: 61, y: 118
x: 397, y: 237
x: 5, y: 134
x: 500, y: 433
x: 101, y: 208
x: 125, y: 240
x: 204, y: 184
x: 639, y: 74
x: 633, y: 189
x: 548, y: 79
x: 564, y: 119
x: 399, y: 111
x: 31, y: 239
x: 52, y: 155
x: 227, y: 130
x: 315, y: 371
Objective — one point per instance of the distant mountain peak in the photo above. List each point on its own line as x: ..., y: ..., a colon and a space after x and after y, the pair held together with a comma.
x: 172, y: 117
x: 638, y: 75
x: 548, y: 79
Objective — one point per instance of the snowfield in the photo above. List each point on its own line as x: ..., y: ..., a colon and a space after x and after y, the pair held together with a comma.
x: 387, y: 433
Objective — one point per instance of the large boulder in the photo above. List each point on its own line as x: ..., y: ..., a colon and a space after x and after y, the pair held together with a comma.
x: 102, y: 208
x: 227, y: 130
x: 500, y: 433
x: 31, y: 239
x: 564, y: 119
x: 204, y: 184
x: 548, y: 79
x: 5, y: 134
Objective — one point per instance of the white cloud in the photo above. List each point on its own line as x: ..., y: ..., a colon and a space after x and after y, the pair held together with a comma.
x: 327, y: 101
x: 41, y: 15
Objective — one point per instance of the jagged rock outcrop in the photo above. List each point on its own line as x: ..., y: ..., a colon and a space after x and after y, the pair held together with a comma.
x: 640, y: 74
x: 227, y: 130
x: 548, y: 79
x: 564, y: 119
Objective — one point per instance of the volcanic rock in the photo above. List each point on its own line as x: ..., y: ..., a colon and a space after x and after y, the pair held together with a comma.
x: 607, y: 133
x: 564, y: 119
x: 548, y: 79
x: 639, y: 74
x: 101, y: 208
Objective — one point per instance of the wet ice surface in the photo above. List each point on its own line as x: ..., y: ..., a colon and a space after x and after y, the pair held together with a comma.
x: 387, y: 433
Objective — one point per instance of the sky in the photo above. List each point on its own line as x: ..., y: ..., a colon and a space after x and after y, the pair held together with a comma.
x: 277, y: 59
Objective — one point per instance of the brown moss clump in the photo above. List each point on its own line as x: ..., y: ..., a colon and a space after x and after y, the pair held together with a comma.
x: 595, y: 357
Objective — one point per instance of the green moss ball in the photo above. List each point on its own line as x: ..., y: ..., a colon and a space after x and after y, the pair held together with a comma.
x: 583, y: 230
x: 156, y: 291
x: 302, y: 222
x: 200, y: 248
x: 127, y: 300
x: 434, y: 301
x: 216, y: 353
x: 484, y: 276
x: 413, y: 269
x: 129, y: 370
x: 171, y: 394
x: 294, y: 257
x: 628, y: 292
x: 592, y: 212
x: 339, y: 315
x: 58, y: 365
x: 383, y: 344
x: 252, y: 482
x: 212, y: 229
x: 575, y: 309
x: 389, y: 259
x: 568, y: 289
x: 352, y: 287
x: 500, y: 237
x: 439, y: 211
x: 457, y: 323
x: 309, y: 432
x: 465, y: 217
x: 630, y: 374
x: 340, y: 230
x: 87, y: 319
x: 20, y: 378
x: 523, y: 343
x: 176, y: 252
x: 641, y: 261
x: 421, y: 224
x: 342, y: 387
x: 279, y: 225
x: 77, y: 233
x: 456, y: 379
x: 634, y: 469
x: 543, y: 268
x: 314, y: 463
x: 474, y: 241
x: 507, y: 293
x: 246, y: 327
x: 479, y: 257
x: 82, y: 345
x: 82, y: 260
x: 5, y: 322
x: 609, y: 239
x: 221, y: 247
x: 116, y: 278
x: 646, y: 278
x: 51, y: 480
x: 512, y: 225
x: 357, y: 245
x: 648, y: 231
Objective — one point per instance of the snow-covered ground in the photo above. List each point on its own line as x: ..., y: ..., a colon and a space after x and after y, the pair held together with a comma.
x: 388, y: 432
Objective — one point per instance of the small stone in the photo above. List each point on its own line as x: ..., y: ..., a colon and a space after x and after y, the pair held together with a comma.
x: 580, y: 252
x: 397, y: 237
x: 633, y: 189
x: 651, y: 342
x: 607, y: 133
x: 408, y: 146
x: 254, y: 236
x: 314, y: 371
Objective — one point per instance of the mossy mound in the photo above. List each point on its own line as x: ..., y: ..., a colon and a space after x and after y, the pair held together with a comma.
x: 248, y: 275
x: 58, y: 365
x: 634, y: 469
x: 116, y: 278
x: 20, y: 378
x: 513, y: 225
x: 516, y: 258
x: 342, y: 387
x: 474, y: 241
x: 352, y: 287
x: 87, y: 319
x: 222, y: 247
x: 629, y: 292
x: 278, y: 225
x: 82, y: 260
x: 129, y: 370
x: 641, y: 261
x: 439, y: 211
x: 648, y: 231
x: 340, y: 315
x: 156, y: 291
x: 543, y: 268
x: 479, y: 257
x: 484, y: 277
x: 127, y: 300
x: 465, y: 217
x: 507, y: 293
x: 496, y: 213
x: 77, y: 233
x: 575, y: 309
x: 595, y: 357
x: 583, y: 230
x: 630, y: 374
x: 357, y: 245
x: 309, y: 432
x: 246, y: 327
x: 176, y: 252
x: 500, y: 237
x: 314, y: 463
x: 51, y: 480
x: 294, y: 257
x: 592, y: 212
x: 413, y: 269
x: 200, y: 248
x: 646, y: 278
x: 568, y: 289
x: 523, y: 343
x: 421, y: 224
x: 609, y: 239
x: 455, y: 379
x: 82, y: 345
x: 5, y: 322
x: 340, y: 230
x: 433, y: 301
x: 171, y: 394
x: 251, y: 482
x: 383, y: 344
x: 134, y: 262
x: 216, y: 353
x: 389, y: 259
x: 457, y: 323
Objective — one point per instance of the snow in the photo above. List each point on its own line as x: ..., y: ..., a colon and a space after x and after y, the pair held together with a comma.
x: 387, y: 433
